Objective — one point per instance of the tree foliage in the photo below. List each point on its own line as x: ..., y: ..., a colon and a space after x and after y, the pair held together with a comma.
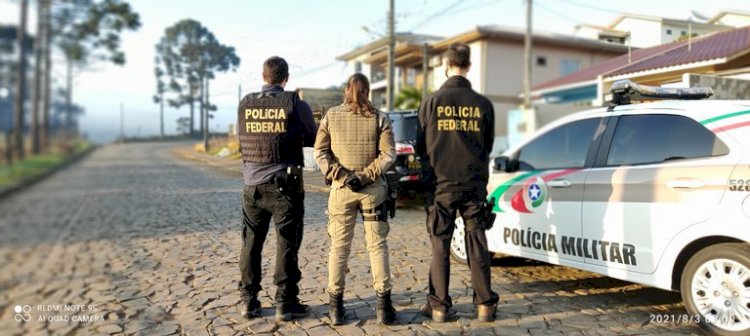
x: 408, y: 99
x: 183, y: 125
x: 87, y: 29
x: 187, y: 55
x: 189, y: 52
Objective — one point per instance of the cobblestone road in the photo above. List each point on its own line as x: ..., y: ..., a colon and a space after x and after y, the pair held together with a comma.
x: 146, y: 243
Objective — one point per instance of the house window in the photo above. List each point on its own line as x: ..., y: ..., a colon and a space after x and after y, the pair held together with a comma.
x: 569, y: 66
x: 683, y: 33
x: 358, y: 67
x: 541, y: 61
x: 411, y: 76
x: 669, y: 31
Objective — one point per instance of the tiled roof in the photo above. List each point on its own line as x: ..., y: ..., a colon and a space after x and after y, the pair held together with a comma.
x: 590, y: 73
x: 728, y: 43
x: 718, y: 45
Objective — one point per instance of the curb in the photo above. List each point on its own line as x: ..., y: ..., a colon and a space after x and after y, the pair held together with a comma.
x: 191, y: 156
x: 28, y: 182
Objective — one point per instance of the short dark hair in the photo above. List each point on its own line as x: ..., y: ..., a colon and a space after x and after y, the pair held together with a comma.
x: 275, y: 70
x: 458, y: 55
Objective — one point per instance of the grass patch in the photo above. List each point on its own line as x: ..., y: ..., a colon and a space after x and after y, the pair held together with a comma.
x: 35, y: 165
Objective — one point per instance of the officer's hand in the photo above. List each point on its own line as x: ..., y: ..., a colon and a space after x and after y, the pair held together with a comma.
x: 353, y: 183
x: 363, y: 178
x: 342, y: 173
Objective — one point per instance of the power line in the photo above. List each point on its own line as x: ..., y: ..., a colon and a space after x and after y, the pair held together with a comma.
x: 436, y: 14
x: 315, y: 69
x: 586, y: 6
x: 558, y: 14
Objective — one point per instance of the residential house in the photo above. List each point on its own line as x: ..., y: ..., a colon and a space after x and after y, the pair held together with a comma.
x: 644, y: 31
x: 368, y: 60
x: 497, y: 63
x: 733, y: 18
x: 724, y: 54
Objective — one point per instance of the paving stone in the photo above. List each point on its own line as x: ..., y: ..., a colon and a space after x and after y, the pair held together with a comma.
x: 153, y: 240
x: 109, y: 329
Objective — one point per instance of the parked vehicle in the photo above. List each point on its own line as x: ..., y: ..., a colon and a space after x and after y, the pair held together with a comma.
x: 407, y: 165
x: 655, y: 193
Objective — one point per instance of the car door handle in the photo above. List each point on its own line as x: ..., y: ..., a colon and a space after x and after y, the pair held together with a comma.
x: 560, y: 183
x: 686, y: 184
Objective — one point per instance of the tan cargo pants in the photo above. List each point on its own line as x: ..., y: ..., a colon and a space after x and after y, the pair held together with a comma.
x: 344, y: 207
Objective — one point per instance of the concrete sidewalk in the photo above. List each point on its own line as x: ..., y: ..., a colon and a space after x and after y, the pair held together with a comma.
x: 314, y: 180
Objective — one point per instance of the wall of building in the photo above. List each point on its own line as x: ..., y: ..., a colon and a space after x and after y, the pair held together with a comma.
x: 735, y: 20
x: 587, y: 32
x: 476, y: 74
x: 724, y: 87
x: 679, y: 31
x: 643, y: 33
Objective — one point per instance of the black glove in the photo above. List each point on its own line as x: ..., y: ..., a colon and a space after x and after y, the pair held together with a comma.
x: 489, y: 216
x: 353, y: 183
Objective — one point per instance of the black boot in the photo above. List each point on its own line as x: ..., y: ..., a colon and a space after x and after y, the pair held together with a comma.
x: 336, y: 310
x: 250, y: 307
x: 290, y: 310
x: 385, y: 312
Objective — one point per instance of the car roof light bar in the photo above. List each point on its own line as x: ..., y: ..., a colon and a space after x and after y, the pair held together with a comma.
x: 625, y: 91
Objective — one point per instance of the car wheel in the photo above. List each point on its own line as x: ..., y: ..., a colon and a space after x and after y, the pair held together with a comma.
x: 715, y: 286
x: 458, y: 244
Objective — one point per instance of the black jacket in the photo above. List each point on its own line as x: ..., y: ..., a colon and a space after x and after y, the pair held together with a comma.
x: 455, y: 134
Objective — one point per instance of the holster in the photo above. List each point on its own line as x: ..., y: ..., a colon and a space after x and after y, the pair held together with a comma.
x: 488, y: 216
x: 391, y: 198
x: 484, y: 219
x: 289, y: 179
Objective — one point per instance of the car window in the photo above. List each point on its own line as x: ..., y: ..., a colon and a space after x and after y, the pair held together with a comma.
x: 563, y: 147
x: 653, y: 138
x: 404, y: 127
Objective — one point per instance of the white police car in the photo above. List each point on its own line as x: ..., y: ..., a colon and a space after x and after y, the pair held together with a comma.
x: 654, y: 193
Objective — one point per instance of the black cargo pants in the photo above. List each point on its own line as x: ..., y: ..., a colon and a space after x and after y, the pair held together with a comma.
x: 261, y: 203
x: 441, y: 216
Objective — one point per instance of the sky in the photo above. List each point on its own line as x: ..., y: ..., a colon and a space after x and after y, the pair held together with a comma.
x: 309, y: 34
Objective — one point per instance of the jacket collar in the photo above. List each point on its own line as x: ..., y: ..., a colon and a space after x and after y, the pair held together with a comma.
x: 271, y: 88
x: 456, y: 82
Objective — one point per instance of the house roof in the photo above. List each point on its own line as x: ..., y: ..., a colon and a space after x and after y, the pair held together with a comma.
x: 592, y: 72
x: 380, y: 43
x: 724, y: 13
x: 608, y: 30
x: 623, y: 16
x: 496, y: 32
x: 726, y: 44
x: 708, y: 25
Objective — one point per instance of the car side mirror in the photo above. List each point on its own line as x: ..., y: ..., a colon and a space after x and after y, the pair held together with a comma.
x: 504, y: 164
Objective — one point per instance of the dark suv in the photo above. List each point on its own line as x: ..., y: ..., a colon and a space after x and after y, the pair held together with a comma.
x: 407, y: 167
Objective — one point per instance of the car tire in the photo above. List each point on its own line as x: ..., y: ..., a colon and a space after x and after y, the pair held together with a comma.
x: 723, y: 293
x: 458, y: 245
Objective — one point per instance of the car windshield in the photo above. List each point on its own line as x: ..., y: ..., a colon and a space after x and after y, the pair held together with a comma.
x: 404, y: 127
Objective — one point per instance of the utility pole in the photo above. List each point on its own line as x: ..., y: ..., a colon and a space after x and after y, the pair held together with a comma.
x: 122, y: 122
x: 239, y: 93
x: 425, y: 68
x: 203, y: 104
x: 527, y: 58
x: 391, y: 54
x: 161, y: 114
x: 690, y: 34
x: 208, y: 114
x: 20, y: 93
